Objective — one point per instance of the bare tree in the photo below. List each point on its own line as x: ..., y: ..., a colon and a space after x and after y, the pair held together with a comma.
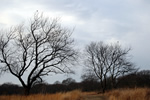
x: 106, y: 60
x: 119, y: 62
x: 36, y: 50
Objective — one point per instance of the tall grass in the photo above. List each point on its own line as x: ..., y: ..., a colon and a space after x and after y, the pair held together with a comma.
x: 129, y: 94
x: 73, y: 95
x: 119, y: 94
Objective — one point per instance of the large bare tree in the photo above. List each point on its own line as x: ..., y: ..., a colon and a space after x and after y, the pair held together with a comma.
x: 35, y: 50
x: 107, y: 60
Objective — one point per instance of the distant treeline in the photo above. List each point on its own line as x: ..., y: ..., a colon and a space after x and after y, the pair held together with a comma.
x: 137, y: 79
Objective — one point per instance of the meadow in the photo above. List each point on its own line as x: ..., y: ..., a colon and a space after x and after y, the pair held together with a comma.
x: 73, y: 95
x: 118, y: 94
x: 129, y: 94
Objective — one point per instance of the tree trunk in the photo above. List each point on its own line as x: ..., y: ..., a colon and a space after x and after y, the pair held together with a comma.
x: 113, y: 83
x: 103, y: 89
x: 103, y: 86
x: 27, y: 90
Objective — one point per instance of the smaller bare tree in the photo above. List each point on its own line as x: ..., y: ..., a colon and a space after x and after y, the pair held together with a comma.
x: 96, y: 54
x: 119, y: 62
x: 106, y: 60
x: 42, y: 47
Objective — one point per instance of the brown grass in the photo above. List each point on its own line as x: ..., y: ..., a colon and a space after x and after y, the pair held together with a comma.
x: 119, y: 94
x: 129, y: 94
x: 73, y: 95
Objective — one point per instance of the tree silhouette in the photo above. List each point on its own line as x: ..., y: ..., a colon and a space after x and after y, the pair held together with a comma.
x: 106, y: 60
x: 35, y: 50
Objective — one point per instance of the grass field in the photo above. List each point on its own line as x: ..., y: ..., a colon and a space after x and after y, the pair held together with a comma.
x: 73, y: 95
x: 119, y: 94
x: 129, y: 94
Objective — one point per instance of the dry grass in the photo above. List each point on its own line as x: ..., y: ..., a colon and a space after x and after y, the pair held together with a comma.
x: 119, y: 94
x: 73, y: 95
x: 129, y: 94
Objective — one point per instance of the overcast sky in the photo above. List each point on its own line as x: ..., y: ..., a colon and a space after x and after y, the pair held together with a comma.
x: 126, y: 21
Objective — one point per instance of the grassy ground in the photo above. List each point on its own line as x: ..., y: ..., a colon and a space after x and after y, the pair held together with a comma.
x: 129, y: 94
x: 119, y: 94
x: 73, y: 95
